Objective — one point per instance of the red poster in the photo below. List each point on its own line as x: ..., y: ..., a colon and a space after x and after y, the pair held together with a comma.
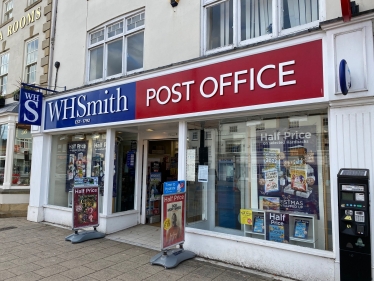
x: 85, y: 207
x: 286, y: 74
x: 173, y: 219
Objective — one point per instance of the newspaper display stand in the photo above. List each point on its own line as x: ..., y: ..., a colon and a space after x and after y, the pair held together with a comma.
x: 85, y: 210
x: 173, y: 222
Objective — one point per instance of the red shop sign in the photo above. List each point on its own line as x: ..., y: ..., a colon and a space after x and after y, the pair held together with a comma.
x: 291, y: 73
x: 85, y: 207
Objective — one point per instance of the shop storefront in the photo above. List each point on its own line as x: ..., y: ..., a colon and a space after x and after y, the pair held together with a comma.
x: 248, y: 132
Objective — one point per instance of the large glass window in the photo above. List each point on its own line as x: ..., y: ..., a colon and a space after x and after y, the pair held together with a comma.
x: 75, y: 156
x: 83, y: 155
x: 31, y: 60
x: 267, y: 179
x: 3, y: 143
x: 117, y: 48
x: 22, y: 155
x: 227, y: 26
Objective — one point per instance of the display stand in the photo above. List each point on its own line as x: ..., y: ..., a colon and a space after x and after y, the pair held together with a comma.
x: 85, y: 210
x: 78, y: 237
x: 173, y: 221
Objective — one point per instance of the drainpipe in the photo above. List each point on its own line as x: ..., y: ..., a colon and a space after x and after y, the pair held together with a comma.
x: 52, y: 41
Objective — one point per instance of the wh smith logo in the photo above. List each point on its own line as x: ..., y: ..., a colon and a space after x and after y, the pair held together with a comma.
x: 30, y: 107
x: 101, y: 106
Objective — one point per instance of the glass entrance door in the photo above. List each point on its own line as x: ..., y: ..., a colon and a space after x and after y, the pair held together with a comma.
x: 162, y: 166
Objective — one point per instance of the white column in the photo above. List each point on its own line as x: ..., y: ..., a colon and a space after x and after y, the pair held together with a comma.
x: 109, y: 170
x: 39, y: 180
x: 8, y: 169
x: 182, y: 150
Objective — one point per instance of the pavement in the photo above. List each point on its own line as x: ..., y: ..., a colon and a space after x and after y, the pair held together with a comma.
x: 38, y: 251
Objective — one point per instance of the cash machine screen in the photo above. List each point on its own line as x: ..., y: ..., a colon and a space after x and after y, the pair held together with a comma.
x: 347, y: 196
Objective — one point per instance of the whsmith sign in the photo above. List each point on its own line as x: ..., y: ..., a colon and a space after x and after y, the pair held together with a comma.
x: 101, y: 106
x: 30, y: 107
x: 270, y: 77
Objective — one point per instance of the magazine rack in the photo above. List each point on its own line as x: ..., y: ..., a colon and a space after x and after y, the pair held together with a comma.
x: 310, y: 236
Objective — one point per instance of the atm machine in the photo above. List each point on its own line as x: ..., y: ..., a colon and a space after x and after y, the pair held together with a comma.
x: 354, y: 224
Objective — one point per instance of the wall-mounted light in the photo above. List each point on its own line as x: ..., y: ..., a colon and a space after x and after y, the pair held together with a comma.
x: 63, y: 137
x: 79, y: 137
x: 149, y: 130
x: 95, y: 135
x: 174, y: 3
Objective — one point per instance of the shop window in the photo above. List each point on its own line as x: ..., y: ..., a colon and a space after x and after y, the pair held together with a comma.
x: 254, y: 20
x: 4, y: 62
x: 116, y: 48
x: 279, y: 174
x: 8, y: 10
x: 3, y: 144
x: 75, y: 156
x: 31, y: 61
x: 22, y: 155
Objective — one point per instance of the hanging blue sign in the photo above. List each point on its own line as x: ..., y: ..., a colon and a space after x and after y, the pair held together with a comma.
x: 172, y: 187
x: 101, y: 106
x: 30, y: 107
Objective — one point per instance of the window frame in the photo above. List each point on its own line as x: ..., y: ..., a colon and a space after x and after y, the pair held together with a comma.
x: 277, y: 7
x: 7, y: 12
x: 30, y: 2
x: 107, y: 40
x: 31, y: 64
x: 3, y: 75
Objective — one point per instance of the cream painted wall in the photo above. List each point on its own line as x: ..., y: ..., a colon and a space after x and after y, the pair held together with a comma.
x: 333, y: 7
x: 70, y: 43
x: 168, y: 33
x: 15, y: 43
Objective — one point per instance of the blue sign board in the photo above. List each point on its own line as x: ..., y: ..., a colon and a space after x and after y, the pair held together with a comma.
x: 101, y: 106
x: 171, y: 187
x: 30, y: 107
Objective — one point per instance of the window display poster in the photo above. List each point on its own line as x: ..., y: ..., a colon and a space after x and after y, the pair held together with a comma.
x: 76, y: 162
x: 98, y: 162
x: 301, y: 228
x: 258, y: 224
x: 246, y: 216
x: 277, y: 228
x: 191, y: 155
x: 173, y: 220
x: 203, y: 173
x: 85, y: 207
x: 287, y: 168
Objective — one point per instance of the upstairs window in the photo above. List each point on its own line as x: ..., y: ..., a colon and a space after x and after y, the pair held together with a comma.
x: 230, y: 23
x: 31, y: 2
x: 31, y: 61
x: 8, y: 10
x: 4, y: 62
x: 116, y: 48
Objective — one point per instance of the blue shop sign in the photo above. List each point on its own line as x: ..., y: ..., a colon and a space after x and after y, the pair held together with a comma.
x: 172, y: 187
x: 101, y: 106
x: 30, y: 107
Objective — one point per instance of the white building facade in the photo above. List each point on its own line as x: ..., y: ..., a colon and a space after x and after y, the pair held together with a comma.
x: 247, y: 91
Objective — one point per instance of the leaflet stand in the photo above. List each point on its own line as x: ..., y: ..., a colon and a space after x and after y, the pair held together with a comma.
x: 85, y: 211
x: 173, y: 221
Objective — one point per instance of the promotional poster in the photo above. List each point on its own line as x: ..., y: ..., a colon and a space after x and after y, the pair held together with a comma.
x: 76, y: 162
x: 85, y: 206
x: 98, y: 162
x: 277, y: 228
x: 173, y: 219
x: 287, y: 169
